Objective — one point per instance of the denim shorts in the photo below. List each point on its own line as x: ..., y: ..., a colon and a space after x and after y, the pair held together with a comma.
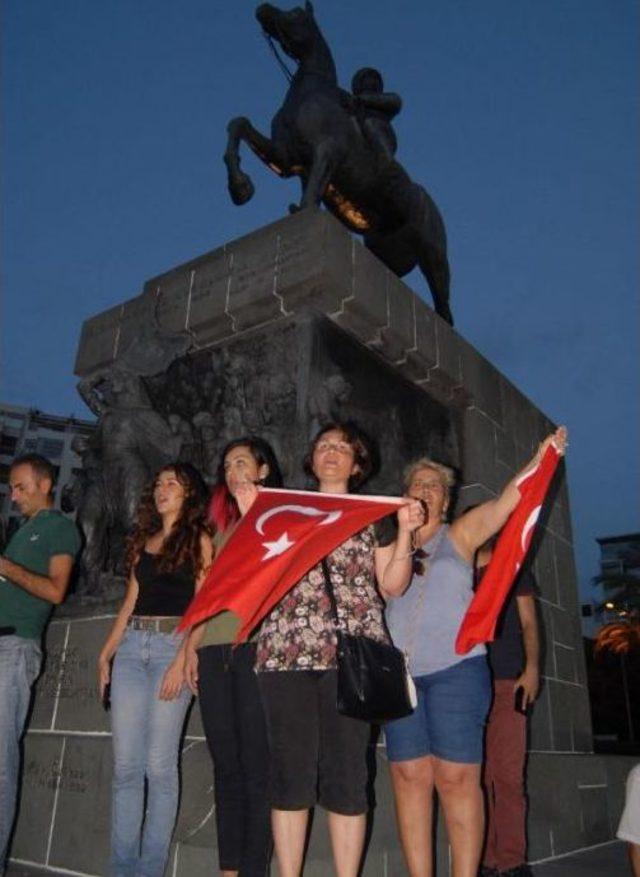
x: 448, y: 721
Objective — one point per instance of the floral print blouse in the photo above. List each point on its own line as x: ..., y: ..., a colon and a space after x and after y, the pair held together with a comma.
x: 299, y: 633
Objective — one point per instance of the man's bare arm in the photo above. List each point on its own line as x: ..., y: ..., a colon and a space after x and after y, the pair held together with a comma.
x: 51, y: 587
x: 529, y: 679
x: 388, y: 103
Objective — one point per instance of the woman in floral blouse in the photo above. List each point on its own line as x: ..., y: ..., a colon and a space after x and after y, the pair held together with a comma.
x: 317, y: 755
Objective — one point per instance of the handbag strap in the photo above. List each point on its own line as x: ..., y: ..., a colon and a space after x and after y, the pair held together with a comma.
x: 328, y: 586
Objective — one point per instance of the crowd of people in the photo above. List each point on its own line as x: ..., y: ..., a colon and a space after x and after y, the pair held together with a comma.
x: 278, y: 742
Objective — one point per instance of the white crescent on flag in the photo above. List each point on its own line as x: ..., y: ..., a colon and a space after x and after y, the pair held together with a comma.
x: 283, y: 543
x: 529, y: 524
x: 330, y: 517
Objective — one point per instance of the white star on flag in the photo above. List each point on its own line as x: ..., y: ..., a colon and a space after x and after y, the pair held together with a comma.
x: 278, y: 547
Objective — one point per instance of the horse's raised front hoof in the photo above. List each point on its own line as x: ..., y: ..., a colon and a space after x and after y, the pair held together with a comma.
x: 235, y: 125
x: 241, y: 188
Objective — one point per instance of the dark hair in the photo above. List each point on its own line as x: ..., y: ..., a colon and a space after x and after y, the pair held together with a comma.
x: 42, y: 467
x: 223, y: 509
x: 183, y: 545
x: 363, y: 452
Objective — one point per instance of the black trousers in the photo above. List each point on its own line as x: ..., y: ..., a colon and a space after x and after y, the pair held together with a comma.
x: 236, y: 734
x: 318, y: 756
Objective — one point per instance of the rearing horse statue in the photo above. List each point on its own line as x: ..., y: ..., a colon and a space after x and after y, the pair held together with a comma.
x: 316, y: 137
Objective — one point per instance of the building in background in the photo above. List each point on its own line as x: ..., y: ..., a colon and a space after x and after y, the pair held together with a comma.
x: 614, y: 673
x: 27, y: 430
x: 619, y: 577
x: 616, y: 586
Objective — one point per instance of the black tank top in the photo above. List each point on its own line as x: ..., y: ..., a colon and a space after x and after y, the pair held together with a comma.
x: 162, y: 593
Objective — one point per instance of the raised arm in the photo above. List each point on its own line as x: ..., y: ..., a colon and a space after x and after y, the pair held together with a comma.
x: 472, y: 529
x: 388, y: 103
x: 529, y: 679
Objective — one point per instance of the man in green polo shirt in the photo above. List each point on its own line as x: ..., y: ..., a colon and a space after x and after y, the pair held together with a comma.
x: 34, y: 575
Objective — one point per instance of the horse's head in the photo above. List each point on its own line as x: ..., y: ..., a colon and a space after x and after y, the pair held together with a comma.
x: 296, y: 29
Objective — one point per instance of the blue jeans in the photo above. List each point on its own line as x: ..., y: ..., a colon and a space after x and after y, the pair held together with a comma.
x: 146, y: 740
x: 19, y: 667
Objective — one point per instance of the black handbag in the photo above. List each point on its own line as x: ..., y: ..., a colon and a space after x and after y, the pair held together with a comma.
x: 373, y: 680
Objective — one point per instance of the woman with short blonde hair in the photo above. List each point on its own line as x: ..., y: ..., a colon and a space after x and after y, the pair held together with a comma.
x: 439, y: 746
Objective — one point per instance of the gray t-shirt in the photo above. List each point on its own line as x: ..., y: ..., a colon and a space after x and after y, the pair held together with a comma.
x: 425, y: 620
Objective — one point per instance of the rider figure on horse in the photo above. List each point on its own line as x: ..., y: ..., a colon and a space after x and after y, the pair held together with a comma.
x: 373, y: 109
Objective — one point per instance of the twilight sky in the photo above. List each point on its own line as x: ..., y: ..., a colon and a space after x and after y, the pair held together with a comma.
x: 520, y: 117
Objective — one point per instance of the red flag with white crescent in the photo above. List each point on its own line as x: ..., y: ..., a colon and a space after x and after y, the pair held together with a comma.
x: 283, y: 535
x: 479, y: 623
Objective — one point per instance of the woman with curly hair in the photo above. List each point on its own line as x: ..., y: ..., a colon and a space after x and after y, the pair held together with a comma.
x: 168, y: 554
x: 224, y: 678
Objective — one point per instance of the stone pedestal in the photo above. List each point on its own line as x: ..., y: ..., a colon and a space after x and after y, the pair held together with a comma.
x: 293, y: 325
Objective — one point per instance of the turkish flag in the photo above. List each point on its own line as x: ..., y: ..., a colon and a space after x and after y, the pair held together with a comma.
x: 283, y: 535
x: 479, y: 623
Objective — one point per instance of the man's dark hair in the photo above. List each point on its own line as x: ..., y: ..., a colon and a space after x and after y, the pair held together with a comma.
x: 42, y: 467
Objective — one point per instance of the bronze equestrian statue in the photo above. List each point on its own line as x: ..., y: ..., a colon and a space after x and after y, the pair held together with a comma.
x: 317, y: 135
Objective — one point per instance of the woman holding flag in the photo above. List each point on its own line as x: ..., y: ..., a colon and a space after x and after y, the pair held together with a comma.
x: 222, y: 675
x: 439, y: 746
x: 319, y: 756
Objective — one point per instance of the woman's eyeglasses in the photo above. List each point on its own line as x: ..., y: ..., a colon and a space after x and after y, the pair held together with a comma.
x: 341, y: 447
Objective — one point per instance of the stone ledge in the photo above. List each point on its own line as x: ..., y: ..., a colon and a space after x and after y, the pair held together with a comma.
x: 308, y: 260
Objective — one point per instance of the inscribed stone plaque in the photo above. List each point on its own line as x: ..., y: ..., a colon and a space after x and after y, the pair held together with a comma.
x: 81, y: 832
x: 46, y: 688
x: 41, y: 770
x: 79, y: 705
